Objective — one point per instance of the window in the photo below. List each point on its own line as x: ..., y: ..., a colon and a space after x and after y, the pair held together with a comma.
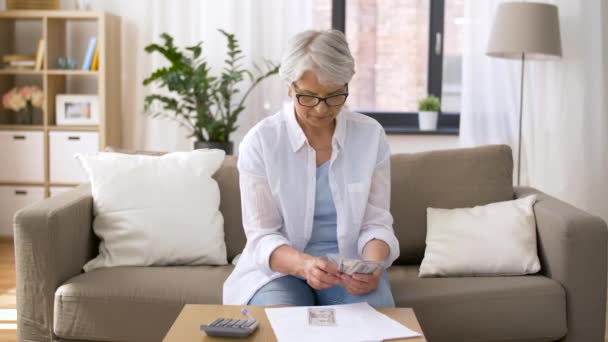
x: 452, y: 55
x: 404, y: 49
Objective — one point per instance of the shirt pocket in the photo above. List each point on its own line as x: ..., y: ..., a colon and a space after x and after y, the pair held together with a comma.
x: 358, y: 194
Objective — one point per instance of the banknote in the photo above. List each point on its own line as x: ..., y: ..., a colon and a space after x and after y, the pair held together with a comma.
x: 321, y: 316
x: 350, y: 266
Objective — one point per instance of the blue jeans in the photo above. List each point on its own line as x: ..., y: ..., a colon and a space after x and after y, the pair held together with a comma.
x: 293, y: 291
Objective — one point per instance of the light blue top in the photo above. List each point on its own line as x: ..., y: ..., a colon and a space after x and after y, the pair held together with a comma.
x: 324, y: 237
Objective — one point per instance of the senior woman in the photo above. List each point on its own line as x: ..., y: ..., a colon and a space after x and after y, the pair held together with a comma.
x: 314, y: 180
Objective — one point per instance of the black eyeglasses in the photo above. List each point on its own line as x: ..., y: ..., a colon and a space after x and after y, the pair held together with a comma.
x: 330, y: 101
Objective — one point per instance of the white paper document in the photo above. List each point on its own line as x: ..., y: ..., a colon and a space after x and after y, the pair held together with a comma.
x: 353, y: 322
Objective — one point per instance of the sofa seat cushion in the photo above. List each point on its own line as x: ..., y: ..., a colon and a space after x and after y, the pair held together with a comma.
x: 515, y: 308
x: 133, y: 303
x: 141, y: 303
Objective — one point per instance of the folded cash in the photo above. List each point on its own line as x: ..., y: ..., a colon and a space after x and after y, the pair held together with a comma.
x: 321, y: 316
x: 351, y: 266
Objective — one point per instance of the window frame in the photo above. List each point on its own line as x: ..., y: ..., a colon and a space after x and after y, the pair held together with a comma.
x: 407, y: 122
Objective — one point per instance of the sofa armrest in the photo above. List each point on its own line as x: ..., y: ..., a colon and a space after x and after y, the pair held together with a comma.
x: 53, y: 240
x: 573, y: 251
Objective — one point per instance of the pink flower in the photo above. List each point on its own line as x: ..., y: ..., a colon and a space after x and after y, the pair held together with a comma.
x: 37, y: 99
x: 5, y: 100
x: 26, y: 92
x: 18, y: 98
x: 13, y: 100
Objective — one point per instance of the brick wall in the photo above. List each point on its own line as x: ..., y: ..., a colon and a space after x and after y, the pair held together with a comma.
x: 389, y: 41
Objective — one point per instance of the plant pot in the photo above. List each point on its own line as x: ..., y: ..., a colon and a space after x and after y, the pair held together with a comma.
x: 226, y: 146
x: 427, y: 121
x: 23, y: 117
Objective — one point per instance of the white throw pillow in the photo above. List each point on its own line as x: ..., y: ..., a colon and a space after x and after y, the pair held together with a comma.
x: 491, y: 240
x: 156, y: 210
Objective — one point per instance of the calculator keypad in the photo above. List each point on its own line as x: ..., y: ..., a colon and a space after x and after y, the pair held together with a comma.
x: 230, y: 327
x: 232, y: 323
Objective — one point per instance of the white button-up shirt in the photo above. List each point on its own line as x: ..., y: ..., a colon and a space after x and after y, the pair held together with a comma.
x: 277, y: 170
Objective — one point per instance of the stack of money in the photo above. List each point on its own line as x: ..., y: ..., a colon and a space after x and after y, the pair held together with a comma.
x: 350, y: 266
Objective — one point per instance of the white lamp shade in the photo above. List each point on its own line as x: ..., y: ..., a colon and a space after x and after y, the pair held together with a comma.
x: 525, y: 28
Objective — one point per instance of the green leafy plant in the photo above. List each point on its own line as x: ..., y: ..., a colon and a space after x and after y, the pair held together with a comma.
x: 429, y: 104
x: 208, y: 106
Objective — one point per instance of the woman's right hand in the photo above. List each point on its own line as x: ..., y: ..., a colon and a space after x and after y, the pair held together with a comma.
x: 320, y: 273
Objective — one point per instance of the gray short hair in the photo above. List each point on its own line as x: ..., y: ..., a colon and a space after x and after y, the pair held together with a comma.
x: 325, y: 53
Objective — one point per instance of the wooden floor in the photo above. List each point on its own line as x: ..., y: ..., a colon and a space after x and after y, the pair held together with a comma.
x: 8, y: 302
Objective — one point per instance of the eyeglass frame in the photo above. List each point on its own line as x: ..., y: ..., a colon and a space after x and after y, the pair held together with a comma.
x: 321, y: 99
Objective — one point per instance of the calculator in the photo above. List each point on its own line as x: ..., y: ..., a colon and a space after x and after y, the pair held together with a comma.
x: 230, y: 327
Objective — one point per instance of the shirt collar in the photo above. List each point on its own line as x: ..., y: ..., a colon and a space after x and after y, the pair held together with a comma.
x: 296, y: 135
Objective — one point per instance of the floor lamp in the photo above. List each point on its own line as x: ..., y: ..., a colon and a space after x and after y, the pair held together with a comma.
x: 525, y: 30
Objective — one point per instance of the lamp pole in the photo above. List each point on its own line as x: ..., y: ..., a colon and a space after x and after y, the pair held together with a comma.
x: 521, y: 107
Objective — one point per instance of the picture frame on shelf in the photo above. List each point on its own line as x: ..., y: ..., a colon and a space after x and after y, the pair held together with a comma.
x: 77, y: 109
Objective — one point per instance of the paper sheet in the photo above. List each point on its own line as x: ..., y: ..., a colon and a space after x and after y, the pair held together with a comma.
x: 354, y: 322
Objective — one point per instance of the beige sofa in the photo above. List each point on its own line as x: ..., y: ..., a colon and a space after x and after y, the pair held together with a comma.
x: 565, y: 301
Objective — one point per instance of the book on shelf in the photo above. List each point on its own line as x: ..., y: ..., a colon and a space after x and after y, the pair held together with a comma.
x: 31, y: 63
x: 95, y: 64
x: 17, y: 61
x: 88, y: 57
x: 40, y: 55
x: 20, y: 65
x: 13, y: 58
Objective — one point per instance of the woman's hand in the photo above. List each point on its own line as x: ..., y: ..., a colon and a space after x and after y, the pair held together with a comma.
x: 360, y: 284
x: 320, y: 273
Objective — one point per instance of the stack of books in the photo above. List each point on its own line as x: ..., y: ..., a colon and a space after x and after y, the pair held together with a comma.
x: 19, y: 61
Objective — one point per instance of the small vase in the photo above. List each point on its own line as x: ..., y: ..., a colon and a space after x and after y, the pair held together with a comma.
x: 24, y: 116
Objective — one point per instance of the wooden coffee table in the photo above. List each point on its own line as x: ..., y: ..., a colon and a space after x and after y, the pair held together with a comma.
x: 187, y: 325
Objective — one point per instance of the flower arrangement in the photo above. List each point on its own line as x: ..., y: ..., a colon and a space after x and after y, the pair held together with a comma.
x: 23, y: 100
x: 19, y: 98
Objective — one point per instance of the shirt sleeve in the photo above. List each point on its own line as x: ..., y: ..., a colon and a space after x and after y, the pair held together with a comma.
x: 377, y: 220
x: 262, y: 220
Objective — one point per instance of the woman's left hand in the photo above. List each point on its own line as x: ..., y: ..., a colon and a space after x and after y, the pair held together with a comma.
x: 360, y: 284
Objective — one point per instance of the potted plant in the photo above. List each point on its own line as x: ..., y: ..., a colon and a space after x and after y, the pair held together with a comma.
x: 428, y: 111
x: 22, y: 101
x: 208, y: 106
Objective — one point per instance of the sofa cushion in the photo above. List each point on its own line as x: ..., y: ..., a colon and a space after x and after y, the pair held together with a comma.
x: 141, y: 303
x: 144, y: 222
x: 458, y: 178
x: 227, y: 178
x: 497, y: 239
x: 518, y: 308
x: 133, y: 303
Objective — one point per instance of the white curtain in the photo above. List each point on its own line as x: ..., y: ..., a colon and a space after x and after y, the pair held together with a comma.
x: 565, y: 127
x: 262, y: 28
